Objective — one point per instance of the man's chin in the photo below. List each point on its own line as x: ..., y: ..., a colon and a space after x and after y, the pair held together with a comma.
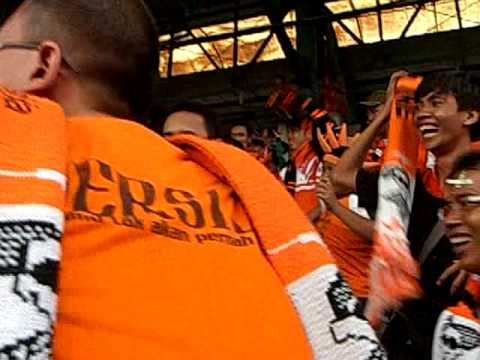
x: 470, y: 260
x: 433, y: 144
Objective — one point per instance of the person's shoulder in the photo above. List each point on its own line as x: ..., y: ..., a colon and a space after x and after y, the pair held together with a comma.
x: 110, y: 125
x: 15, y: 103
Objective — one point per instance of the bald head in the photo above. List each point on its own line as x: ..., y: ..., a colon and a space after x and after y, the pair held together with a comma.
x: 111, y: 44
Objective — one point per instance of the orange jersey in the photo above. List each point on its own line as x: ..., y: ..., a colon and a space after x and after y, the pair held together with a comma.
x: 160, y: 260
x: 351, y: 252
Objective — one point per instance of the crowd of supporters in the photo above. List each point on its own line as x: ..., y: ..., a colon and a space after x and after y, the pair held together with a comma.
x: 333, y: 175
x: 121, y: 242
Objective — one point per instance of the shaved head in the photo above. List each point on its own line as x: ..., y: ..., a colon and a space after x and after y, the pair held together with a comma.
x: 109, y: 43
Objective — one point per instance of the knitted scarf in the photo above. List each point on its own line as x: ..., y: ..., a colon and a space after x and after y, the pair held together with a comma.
x: 394, y: 273
x: 324, y: 303
x: 457, y: 335
x: 32, y: 191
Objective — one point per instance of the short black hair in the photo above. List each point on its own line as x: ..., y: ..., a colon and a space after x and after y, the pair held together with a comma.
x: 208, y: 115
x: 245, y: 124
x: 460, y: 85
x: 112, y: 43
x: 468, y: 161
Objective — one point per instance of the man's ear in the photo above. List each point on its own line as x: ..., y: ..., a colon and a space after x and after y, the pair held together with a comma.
x: 47, y: 71
x: 471, y: 117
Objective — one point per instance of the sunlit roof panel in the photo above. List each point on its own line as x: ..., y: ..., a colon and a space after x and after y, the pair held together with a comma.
x: 273, y: 50
x: 436, y: 16
x: 369, y: 28
x: 470, y: 11
x: 364, y: 4
x: 424, y: 23
x: 253, y: 22
x: 343, y: 38
x: 395, y: 21
x: 339, y: 6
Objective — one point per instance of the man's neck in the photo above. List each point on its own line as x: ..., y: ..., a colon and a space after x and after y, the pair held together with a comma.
x: 78, y: 102
x: 444, y: 162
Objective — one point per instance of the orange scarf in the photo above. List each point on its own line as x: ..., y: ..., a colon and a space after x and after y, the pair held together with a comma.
x: 394, y: 273
x: 295, y: 251
x: 32, y: 183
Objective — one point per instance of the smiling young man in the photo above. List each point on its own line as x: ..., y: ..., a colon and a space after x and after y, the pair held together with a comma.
x: 457, y: 335
x: 462, y: 212
x: 446, y: 116
x: 167, y: 251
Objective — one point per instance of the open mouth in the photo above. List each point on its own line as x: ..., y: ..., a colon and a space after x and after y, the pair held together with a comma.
x: 428, y: 131
x: 460, y: 239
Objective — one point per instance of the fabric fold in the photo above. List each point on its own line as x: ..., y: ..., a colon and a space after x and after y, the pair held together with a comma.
x: 325, y: 304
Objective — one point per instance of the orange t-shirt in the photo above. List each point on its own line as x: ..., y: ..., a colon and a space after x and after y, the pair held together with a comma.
x: 160, y: 260
x: 351, y: 252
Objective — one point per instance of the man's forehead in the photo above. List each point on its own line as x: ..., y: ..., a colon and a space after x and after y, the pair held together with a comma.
x: 435, y: 94
x: 464, y: 181
x: 239, y: 129
x: 184, y: 114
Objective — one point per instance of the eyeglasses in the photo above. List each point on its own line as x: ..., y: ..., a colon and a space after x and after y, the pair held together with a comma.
x: 33, y: 46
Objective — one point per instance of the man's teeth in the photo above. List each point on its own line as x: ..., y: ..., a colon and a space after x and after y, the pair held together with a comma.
x: 428, y: 131
x: 460, y: 240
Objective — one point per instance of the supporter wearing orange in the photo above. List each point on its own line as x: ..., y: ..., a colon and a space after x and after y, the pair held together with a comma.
x: 446, y: 116
x: 351, y: 251
x: 175, y: 257
x: 346, y: 231
x: 122, y: 217
x: 303, y: 169
x: 463, y: 225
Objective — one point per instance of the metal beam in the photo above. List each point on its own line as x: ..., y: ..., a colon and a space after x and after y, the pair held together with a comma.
x: 459, y: 14
x: 170, y: 57
x: 344, y: 27
x: 379, y: 19
x: 435, y: 16
x: 350, y: 32
x: 207, y: 54
x: 235, y: 36
x: 357, y: 20
x: 282, y: 37
x: 410, y: 22
x: 261, y: 48
x: 328, y: 18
